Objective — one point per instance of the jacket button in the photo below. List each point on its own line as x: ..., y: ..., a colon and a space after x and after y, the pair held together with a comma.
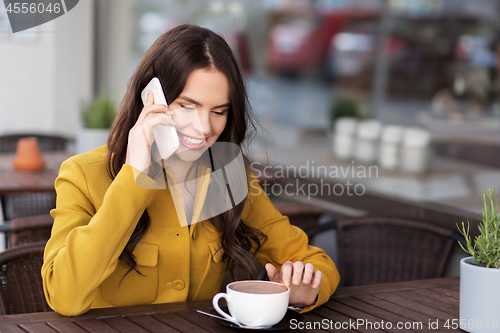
x: 178, y: 285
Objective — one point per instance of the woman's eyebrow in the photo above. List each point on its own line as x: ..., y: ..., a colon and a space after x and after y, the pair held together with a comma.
x: 190, y: 100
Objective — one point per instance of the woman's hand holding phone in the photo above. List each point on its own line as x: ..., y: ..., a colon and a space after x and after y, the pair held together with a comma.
x: 141, y: 136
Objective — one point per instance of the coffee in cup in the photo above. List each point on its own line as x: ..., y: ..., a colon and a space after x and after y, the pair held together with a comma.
x: 254, y: 303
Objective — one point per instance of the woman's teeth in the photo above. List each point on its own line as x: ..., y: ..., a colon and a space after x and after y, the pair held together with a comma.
x: 191, y: 141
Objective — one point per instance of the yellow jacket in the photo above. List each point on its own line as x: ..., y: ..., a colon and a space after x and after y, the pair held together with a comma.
x: 95, y: 217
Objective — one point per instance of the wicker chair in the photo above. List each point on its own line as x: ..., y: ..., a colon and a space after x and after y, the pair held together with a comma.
x: 389, y: 249
x: 30, y: 229
x: 28, y: 204
x: 8, y: 143
x: 21, y: 282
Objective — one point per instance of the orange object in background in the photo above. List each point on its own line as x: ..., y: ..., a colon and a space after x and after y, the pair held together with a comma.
x: 28, y: 156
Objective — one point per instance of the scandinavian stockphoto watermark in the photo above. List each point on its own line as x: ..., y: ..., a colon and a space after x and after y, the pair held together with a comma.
x: 26, y: 14
x: 333, y: 180
x: 403, y: 326
x: 359, y: 324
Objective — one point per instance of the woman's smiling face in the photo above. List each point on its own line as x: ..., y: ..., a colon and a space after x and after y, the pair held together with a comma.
x: 200, y: 112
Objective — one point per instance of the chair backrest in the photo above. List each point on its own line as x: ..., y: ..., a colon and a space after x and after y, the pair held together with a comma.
x: 30, y: 229
x: 389, y: 249
x: 8, y: 143
x: 21, y: 281
x: 29, y: 204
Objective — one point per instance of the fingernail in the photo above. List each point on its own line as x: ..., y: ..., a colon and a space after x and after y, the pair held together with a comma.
x: 287, y: 282
x: 296, y: 282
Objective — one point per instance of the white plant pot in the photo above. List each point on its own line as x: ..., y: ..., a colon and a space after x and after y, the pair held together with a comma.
x: 343, y: 146
x: 414, y: 160
x: 366, y: 151
x: 479, y: 297
x: 389, y: 156
x: 88, y: 139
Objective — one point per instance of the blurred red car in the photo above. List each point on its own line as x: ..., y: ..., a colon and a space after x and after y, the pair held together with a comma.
x: 299, y: 42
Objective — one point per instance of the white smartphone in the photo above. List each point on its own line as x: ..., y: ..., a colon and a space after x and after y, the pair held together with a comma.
x: 165, y: 136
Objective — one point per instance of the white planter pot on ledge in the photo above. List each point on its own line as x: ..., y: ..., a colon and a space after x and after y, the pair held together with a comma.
x: 479, y: 297
x: 88, y: 139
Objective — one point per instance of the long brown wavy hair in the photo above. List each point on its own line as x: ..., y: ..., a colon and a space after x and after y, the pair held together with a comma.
x: 172, y: 58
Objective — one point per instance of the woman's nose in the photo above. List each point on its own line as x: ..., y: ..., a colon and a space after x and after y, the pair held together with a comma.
x: 202, y: 124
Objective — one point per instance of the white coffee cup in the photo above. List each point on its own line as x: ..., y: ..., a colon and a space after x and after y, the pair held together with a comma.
x: 254, y: 303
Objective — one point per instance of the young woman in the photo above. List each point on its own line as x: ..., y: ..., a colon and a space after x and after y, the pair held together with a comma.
x: 117, y: 241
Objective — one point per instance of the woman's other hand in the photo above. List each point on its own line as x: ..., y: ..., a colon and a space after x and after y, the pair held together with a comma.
x: 141, y: 136
x: 303, y: 280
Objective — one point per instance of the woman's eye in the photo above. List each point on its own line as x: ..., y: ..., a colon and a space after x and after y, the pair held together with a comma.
x: 188, y: 107
x: 219, y: 113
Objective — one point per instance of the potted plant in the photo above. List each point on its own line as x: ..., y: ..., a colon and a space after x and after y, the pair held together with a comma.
x: 343, y: 115
x: 480, y: 273
x: 344, y: 107
x: 97, y: 117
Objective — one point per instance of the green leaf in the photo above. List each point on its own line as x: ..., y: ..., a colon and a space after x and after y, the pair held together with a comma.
x: 486, y: 247
x: 99, y: 113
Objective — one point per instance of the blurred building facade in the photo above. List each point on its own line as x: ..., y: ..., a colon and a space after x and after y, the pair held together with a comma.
x: 435, y: 56
x: 45, y: 71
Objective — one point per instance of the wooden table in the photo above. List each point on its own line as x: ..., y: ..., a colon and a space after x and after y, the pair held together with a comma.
x: 15, y: 181
x: 415, y: 306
